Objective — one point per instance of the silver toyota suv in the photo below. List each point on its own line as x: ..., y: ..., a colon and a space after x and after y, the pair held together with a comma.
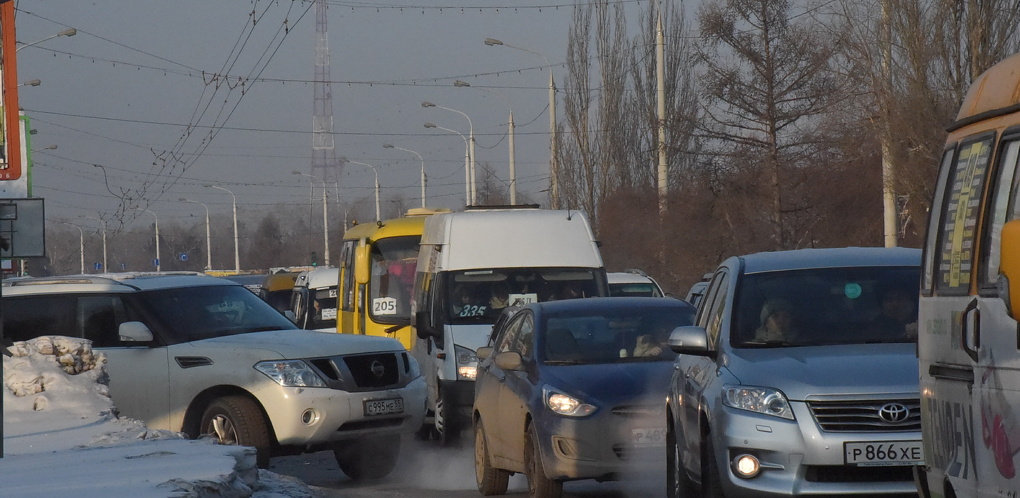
x: 204, y: 355
x: 799, y: 377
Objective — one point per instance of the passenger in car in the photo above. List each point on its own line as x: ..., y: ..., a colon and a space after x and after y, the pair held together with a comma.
x: 778, y: 322
x: 899, y: 315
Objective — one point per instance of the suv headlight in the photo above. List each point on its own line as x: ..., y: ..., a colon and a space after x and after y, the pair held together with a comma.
x: 467, y: 363
x: 290, y: 373
x: 564, y: 404
x: 763, y: 400
x: 414, y: 369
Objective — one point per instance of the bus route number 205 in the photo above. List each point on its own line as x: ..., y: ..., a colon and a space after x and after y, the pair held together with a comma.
x: 384, y: 306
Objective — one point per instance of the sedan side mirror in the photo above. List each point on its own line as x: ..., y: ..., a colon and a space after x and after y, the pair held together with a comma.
x: 689, y: 339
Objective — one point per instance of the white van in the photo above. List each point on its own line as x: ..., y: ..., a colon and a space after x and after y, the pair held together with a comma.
x: 969, y: 338
x: 471, y: 265
x: 313, y: 299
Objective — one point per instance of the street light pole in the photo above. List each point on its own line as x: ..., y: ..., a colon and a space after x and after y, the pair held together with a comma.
x: 237, y: 253
x: 391, y: 146
x: 377, y: 216
x: 325, y: 216
x: 158, y: 261
x: 103, y: 222
x: 471, y: 135
x: 553, y: 161
x: 66, y: 32
x: 81, y: 244
x: 510, y: 139
x: 467, y: 162
x: 208, y: 234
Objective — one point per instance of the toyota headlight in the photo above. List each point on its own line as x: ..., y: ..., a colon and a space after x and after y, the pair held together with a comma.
x: 467, y: 363
x: 290, y: 373
x: 564, y: 404
x: 764, y: 400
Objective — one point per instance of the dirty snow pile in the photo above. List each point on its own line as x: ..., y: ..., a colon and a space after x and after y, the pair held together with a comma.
x: 61, y: 437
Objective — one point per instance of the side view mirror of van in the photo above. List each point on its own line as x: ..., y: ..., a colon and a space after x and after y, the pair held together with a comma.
x: 689, y: 339
x: 1009, y: 267
x: 422, y: 326
x: 134, y: 332
x: 361, y: 267
x: 290, y: 315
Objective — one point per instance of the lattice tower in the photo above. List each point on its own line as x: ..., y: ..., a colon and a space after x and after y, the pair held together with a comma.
x: 325, y: 164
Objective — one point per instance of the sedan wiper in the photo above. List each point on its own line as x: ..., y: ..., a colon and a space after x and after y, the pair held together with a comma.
x: 565, y: 362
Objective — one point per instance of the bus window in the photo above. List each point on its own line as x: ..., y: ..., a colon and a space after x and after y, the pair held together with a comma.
x: 393, y: 265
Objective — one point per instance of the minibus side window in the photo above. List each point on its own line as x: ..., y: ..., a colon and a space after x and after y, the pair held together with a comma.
x: 954, y: 259
x: 1003, y: 209
x: 935, y: 219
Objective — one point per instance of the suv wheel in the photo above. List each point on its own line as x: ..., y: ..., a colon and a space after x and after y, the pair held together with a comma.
x: 368, y: 458
x: 238, y: 420
x: 711, y: 480
x: 678, y: 485
x: 539, y: 486
x: 490, y: 480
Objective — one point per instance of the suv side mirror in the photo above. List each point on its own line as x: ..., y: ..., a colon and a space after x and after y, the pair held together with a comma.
x: 509, y: 360
x: 134, y: 332
x: 689, y: 339
x: 1009, y: 266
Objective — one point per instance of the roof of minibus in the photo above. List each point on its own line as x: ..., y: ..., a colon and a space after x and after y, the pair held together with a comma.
x: 411, y: 223
x: 996, y: 88
x: 513, y: 238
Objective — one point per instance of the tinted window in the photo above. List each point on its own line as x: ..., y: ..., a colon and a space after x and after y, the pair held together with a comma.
x: 478, y: 296
x: 610, y: 335
x: 826, y: 306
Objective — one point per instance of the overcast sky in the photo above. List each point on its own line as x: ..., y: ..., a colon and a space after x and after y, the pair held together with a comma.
x: 123, y: 92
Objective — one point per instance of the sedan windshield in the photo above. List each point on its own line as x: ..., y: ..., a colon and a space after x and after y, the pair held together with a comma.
x: 194, y: 313
x: 827, y: 306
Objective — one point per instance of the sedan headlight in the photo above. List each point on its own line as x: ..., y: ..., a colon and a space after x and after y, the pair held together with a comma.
x: 290, y: 373
x: 467, y: 363
x: 564, y: 404
x: 763, y: 400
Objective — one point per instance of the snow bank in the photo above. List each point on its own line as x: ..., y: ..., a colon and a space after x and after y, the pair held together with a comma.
x: 61, y: 435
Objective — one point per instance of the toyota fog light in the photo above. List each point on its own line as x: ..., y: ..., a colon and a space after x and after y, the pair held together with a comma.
x: 746, y: 466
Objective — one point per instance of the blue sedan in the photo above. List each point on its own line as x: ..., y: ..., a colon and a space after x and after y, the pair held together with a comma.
x: 574, y: 389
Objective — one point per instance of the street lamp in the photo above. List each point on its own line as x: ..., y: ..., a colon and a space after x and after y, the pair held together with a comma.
x: 208, y: 236
x: 553, y: 163
x: 237, y: 254
x: 391, y: 146
x: 66, y: 32
x: 325, y: 216
x: 467, y: 162
x: 374, y: 170
x: 81, y: 242
x: 510, y: 124
x: 471, y: 135
x: 30, y: 83
x: 158, y: 262
x: 48, y: 147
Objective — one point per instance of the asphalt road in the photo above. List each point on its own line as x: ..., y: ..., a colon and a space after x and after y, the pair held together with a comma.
x: 426, y: 470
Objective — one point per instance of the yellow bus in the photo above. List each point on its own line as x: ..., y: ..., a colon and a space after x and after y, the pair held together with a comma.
x: 377, y: 266
x: 969, y: 334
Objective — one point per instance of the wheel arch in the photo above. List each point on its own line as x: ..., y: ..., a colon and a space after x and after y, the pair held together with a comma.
x: 198, y: 405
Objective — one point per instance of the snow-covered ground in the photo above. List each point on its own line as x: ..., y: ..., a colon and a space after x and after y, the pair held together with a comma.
x: 61, y: 438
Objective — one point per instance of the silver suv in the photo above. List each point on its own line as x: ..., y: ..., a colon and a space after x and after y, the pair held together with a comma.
x: 203, y: 355
x: 799, y: 377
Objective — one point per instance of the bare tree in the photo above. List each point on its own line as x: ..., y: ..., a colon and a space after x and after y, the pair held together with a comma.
x: 767, y: 79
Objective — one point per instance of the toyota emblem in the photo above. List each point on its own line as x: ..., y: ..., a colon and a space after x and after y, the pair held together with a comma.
x: 378, y: 369
x: 893, y: 413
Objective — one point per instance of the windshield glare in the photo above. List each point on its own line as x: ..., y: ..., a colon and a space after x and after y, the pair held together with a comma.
x: 827, y: 306
x: 195, y: 313
x: 478, y: 296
